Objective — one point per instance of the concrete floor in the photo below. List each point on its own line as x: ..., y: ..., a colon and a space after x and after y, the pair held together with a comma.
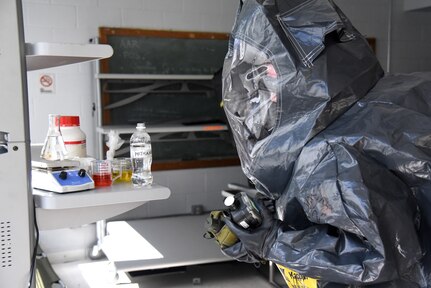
x: 101, y: 274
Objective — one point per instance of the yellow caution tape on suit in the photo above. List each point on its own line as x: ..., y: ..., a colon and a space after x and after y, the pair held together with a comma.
x: 295, y: 280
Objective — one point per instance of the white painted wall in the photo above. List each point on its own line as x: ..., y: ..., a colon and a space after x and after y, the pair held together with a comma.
x: 417, y: 4
x: 411, y: 32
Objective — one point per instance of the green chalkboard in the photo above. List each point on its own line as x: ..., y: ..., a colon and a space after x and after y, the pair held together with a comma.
x: 179, y: 101
x: 138, y: 51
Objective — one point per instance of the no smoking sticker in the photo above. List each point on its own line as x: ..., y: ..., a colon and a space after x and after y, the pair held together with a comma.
x: 46, y: 83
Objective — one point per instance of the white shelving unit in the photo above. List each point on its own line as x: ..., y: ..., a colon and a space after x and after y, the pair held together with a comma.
x: 122, y: 129
x: 156, y: 243
x: 73, y: 209
x: 78, y: 208
x: 163, y: 128
x: 46, y: 55
x: 153, y: 76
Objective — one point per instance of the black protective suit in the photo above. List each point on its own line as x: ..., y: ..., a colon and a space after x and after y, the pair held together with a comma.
x: 344, y: 152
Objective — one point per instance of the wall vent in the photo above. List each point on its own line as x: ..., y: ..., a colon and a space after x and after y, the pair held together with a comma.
x: 5, y: 244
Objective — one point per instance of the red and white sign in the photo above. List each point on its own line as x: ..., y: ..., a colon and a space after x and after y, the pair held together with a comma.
x: 46, y: 83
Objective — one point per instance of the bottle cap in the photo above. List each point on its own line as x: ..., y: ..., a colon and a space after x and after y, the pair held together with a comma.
x: 69, y: 121
x: 140, y: 126
x: 230, y: 202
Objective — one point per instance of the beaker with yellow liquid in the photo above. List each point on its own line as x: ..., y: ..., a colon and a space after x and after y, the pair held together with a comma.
x: 121, y: 170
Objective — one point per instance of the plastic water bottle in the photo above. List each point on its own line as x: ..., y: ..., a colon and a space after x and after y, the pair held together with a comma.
x: 140, y: 153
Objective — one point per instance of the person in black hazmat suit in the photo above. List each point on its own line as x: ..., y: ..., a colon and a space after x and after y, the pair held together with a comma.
x: 343, y: 151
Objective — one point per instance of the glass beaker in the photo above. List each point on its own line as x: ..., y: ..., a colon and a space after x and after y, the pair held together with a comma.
x: 53, y: 148
x: 101, y: 172
x: 122, y: 170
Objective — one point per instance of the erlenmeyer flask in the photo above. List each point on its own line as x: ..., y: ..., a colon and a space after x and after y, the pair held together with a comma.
x: 53, y: 148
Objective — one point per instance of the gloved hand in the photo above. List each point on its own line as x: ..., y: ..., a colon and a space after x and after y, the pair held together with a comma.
x: 252, y: 245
